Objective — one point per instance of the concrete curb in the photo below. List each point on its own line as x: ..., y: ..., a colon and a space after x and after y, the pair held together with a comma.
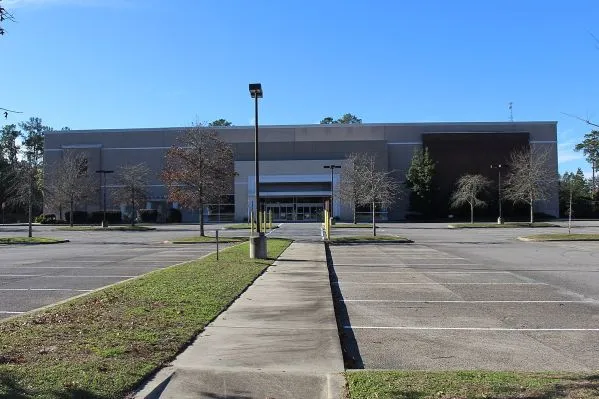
x: 337, y: 386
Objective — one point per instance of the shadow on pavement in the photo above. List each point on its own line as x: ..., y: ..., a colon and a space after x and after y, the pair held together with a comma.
x: 349, y: 346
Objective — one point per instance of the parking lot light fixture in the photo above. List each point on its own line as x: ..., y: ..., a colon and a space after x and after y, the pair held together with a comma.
x: 499, y: 167
x: 332, y: 167
x: 258, y: 242
x: 104, y: 173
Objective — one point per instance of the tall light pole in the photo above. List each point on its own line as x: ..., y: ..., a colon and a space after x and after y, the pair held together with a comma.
x: 104, y: 173
x: 498, y: 167
x: 332, y: 167
x: 257, y: 242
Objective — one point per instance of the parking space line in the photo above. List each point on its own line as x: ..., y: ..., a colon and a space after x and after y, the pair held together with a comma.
x: 43, y: 289
x: 463, y: 301
x: 469, y: 328
x: 404, y: 265
x: 68, y: 267
x: 60, y: 276
x: 9, y: 312
x: 413, y: 283
x: 433, y: 272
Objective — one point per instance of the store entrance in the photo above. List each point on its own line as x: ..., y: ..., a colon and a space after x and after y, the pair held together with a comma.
x: 304, y: 209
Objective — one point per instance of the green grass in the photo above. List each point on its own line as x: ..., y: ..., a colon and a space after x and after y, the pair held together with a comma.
x: 500, y: 226
x: 352, y: 226
x: 242, y: 226
x: 367, y: 239
x: 561, y: 237
x: 114, y: 228
x: 470, y: 385
x: 209, y: 239
x: 104, y: 344
x: 30, y: 240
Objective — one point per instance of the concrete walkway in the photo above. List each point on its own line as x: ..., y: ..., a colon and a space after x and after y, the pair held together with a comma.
x: 278, y: 340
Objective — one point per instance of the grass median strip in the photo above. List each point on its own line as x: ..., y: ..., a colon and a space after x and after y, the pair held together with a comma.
x: 507, y: 225
x: 368, y: 239
x: 242, y: 226
x: 561, y: 237
x: 470, y: 384
x: 30, y: 240
x: 104, y: 344
x: 352, y: 226
x: 109, y: 228
x: 208, y: 239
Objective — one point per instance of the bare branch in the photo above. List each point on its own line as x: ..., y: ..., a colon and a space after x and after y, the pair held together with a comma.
x: 588, y: 122
x: 198, y: 170
x: 531, y: 178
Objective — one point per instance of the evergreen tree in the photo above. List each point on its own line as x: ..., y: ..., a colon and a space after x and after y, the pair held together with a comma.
x: 419, y: 180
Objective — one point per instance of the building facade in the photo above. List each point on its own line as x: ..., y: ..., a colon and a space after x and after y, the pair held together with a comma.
x: 293, y: 180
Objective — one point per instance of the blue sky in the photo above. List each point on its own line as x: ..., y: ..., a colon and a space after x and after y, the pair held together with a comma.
x: 92, y: 64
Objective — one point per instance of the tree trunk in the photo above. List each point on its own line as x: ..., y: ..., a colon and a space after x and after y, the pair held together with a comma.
x: 373, y: 224
x: 354, y: 213
x: 132, y: 207
x: 71, y: 206
x: 30, y: 207
x: 594, y: 188
x: 472, y: 213
x: 202, y: 219
x: 532, y: 218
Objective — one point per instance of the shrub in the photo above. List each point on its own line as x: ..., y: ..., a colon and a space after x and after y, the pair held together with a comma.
x: 112, y: 217
x: 46, y: 219
x: 148, y: 215
x: 174, y: 216
x: 79, y: 217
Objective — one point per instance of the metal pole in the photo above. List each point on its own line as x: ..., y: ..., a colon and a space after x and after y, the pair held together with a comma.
x: 332, y: 169
x: 499, y: 190
x: 217, y: 245
x: 104, y: 217
x: 256, y: 163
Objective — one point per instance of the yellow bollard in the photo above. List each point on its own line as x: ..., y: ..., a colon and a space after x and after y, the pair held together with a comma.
x: 270, y: 219
x: 264, y: 221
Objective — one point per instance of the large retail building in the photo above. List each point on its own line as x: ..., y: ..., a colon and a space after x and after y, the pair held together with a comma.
x: 293, y: 180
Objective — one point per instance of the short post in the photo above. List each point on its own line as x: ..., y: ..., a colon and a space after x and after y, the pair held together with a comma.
x: 217, y: 245
x: 259, y: 221
x: 270, y: 219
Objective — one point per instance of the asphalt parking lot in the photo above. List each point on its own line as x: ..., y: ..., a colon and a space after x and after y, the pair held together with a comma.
x: 38, y: 275
x: 469, y: 299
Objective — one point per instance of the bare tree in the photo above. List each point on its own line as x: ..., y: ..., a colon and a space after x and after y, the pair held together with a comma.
x: 530, y: 179
x: 349, y: 184
x: 25, y: 189
x: 374, y: 186
x: 198, y: 170
x: 132, y: 182
x: 68, y: 182
x: 469, y: 187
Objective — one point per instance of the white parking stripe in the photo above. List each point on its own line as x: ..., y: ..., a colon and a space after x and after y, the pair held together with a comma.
x: 463, y: 301
x: 8, y: 312
x: 43, y: 289
x: 404, y: 265
x: 468, y: 328
x: 433, y: 272
x: 60, y: 276
x: 411, y: 283
x: 71, y: 267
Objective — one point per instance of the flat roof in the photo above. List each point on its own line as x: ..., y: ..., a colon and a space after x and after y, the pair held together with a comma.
x: 336, y: 125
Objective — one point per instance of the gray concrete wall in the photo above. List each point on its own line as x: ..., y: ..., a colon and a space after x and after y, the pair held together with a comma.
x: 291, y: 150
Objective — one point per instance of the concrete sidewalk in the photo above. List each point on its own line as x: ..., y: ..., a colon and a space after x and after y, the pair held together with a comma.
x: 278, y: 340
